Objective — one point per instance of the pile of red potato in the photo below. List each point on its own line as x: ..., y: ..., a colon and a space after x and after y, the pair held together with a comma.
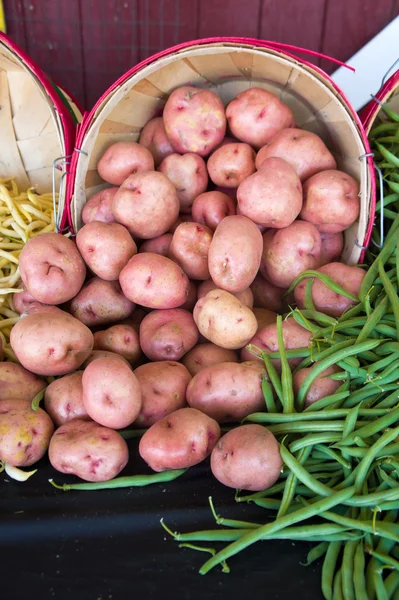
x: 181, y: 264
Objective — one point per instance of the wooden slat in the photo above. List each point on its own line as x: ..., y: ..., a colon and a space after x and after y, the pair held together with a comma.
x: 228, y: 18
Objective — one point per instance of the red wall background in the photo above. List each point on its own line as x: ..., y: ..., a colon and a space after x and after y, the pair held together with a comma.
x: 85, y: 45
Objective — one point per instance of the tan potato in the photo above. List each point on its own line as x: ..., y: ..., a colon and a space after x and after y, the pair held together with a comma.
x: 153, y: 137
x: 95, y: 354
x: 226, y: 391
x: 205, y: 355
x: 189, y: 176
x: 194, y: 120
x: 123, y: 159
x: 223, y: 320
x: 264, y: 317
x: 99, y: 207
x: 289, y: 252
x: 332, y: 245
x: 111, y: 392
x: 25, y: 433
x: 146, y: 204
x: 154, y: 281
x: 168, y: 334
x: 267, y: 295
x: 331, y: 201
x: 321, y: 386
x: 271, y: 197
x: 256, y: 116
x: 121, y: 339
x: 189, y: 249
x: 63, y: 399
x: 100, y: 302
x: 55, y: 346
x: 158, y: 245
x: 230, y: 164
x: 303, y: 150
x: 52, y: 269
x: 245, y: 297
x: 247, y: 458
x: 105, y: 248
x: 163, y: 390
x: 235, y: 253
x: 16, y: 383
x: 210, y: 208
x: 88, y: 450
x: 182, y: 439
x: 191, y: 297
x: 324, y: 299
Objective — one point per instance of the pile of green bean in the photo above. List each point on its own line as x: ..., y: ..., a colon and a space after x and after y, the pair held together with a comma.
x: 339, y: 486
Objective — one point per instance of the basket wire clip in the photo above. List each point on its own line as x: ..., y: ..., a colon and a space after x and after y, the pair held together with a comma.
x: 58, y: 165
x: 387, y: 73
x: 381, y: 186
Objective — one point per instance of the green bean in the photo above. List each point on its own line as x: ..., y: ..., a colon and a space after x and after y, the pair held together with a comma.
x: 359, y: 580
x: 332, y: 285
x: 309, y: 304
x: 337, y: 587
x: 37, y: 399
x: 379, y: 364
x: 382, y: 128
x: 318, y: 438
x: 360, y: 452
x: 338, y: 376
x: 268, y: 503
x: 371, y: 454
x: 388, y: 480
x: 385, y: 559
x: 339, y: 413
x: 296, y: 353
x: 329, y: 566
x: 332, y: 454
x: 121, y: 482
x: 391, y: 583
x: 373, y: 321
x: 347, y: 570
x: 378, y: 528
x: 391, y: 158
x: 315, y: 315
x: 394, y: 187
x: 313, y: 426
x: 387, y: 201
x: 372, y: 428
x: 315, y: 553
x: 325, y: 353
x: 303, y: 322
x: 387, y: 348
x: 367, y: 391
x: 273, y: 376
x: 325, y: 402
x: 391, y: 294
x: 286, y: 375
x: 390, y: 400
x: 292, y: 480
x: 379, y: 585
x: 268, y: 396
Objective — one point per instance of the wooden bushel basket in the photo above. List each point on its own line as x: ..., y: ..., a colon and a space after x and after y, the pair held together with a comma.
x: 371, y: 114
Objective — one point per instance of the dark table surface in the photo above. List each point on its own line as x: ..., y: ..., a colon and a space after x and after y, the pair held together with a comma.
x: 109, y: 544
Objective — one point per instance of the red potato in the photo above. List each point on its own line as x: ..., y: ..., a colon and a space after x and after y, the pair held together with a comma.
x: 182, y: 218
x: 135, y: 319
x: 163, y: 390
x: 324, y: 299
x: 331, y: 201
x: 63, y: 399
x: 272, y: 197
x: 332, y: 245
x: 168, y: 334
x: 267, y: 295
x: 189, y: 176
x: 194, y: 120
x: 154, y: 281
x: 88, y: 450
x: 235, y: 253
x: 153, y: 137
x: 100, y: 302
x: 245, y: 297
x: 256, y: 116
x: 95, y: 354
x: 321, y: 386
x: 52, y: 269
x: 159, y: 245
x: 25, y: 433
x: 230, y: 192
x: 16, y: 383
x: 23, y: 300
x: 303, y: 150
x: 105, y: 248
x: 189, y: 249
x: 99, y: 207
x: 122, y: 339
x: 146, y: 204
x: 247, y: 458
x: 191, y: 297
x: 212, y: 207
x: 230, y: 164
x: 205, y: 355
x: 111, y: 392
x: 289, y: 252
x: 36, y: 307
x: 123, y: 159
x: 264, y: 317
x: 182, y: 439
x: 227, y: 392
x: 51, y: 346
x: 224, y: 320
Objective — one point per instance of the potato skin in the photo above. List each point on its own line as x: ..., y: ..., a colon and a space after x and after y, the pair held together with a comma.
x: 247, y: 458
x: 227, y: 392
x: 154, y: 281
x: 99, y: 207
x: 16, y: 383
x: 52, y: 269
x: 332, y: 245
x: 245, y: 297
x: 230, y: 164
x: 146, y: 204
x: 105, y: 248
x: 264, y: 316
x: 121, y: 339
x: 111, y: 392
x: 205, y: 355
x: 163, y: 390
x: 190, y: 248
x: 88, y: 450
x: 168, y: 334
x: 303, y: 150
x: 256, y: 116
x: 63, y: 399
x: 267, y: 295
x: 191, y: 297
x: 24, y: 433
x: 100, y: 302
x: 123, y: 159
x: 159, y: 245
x: 235, y: 253
x: 23, y: 300
x: 188, y: 174
x: 194, y: 120
x: 210, y: 208
x: 223, y: 320
x: 289, y: 252
x: 180, y: 440
x: 321, y: 386
x: 95, y: 354
x: 55, y: 346
x: 153, y: 137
